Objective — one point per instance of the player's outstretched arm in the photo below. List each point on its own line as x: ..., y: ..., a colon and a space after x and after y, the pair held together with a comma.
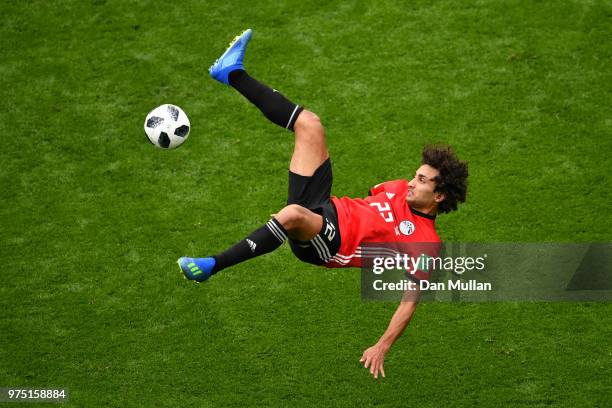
x: 373, y: 358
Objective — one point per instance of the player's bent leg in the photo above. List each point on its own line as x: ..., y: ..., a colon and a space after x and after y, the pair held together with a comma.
x: 300, y: 223
x: 292, y: 221
x: 261, y: 241
x: 313, y: 236
x: 310, y: 149
x: 229, y: 69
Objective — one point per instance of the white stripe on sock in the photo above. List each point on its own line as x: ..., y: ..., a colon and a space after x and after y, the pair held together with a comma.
x: 295, y: 110
x: 273, y: 231
x: 280, y: 232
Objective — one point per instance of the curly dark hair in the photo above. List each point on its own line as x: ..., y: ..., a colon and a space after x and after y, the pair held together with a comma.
x: 452, y: 181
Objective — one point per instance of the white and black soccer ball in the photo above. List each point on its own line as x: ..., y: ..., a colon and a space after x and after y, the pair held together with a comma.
x: 167, y: 126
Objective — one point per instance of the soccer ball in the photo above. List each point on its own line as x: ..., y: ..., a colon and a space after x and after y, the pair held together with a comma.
x: 167, y: 126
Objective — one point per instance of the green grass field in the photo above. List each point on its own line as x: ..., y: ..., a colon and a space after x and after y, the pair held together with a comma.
x: 93, y: 217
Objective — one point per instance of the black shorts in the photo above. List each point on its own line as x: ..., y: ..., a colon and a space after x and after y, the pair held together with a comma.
x: 314, y: 193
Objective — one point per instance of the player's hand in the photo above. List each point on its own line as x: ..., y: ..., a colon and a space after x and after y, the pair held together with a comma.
x: 374, y: 358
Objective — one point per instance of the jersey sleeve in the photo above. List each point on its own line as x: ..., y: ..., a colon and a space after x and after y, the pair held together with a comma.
x: 393, y: 186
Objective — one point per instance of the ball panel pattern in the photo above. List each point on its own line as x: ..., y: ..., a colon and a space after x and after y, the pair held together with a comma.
x: 181, y: 131
x: 167, y: 126
x: 154, y: 121
x: 173, y: 112
x: 164, y: 140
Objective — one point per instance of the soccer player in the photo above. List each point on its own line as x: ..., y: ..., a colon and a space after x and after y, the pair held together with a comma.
x: 329, y: 231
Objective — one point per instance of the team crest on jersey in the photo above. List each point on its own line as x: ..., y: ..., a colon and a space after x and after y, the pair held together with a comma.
x: 406, y: 227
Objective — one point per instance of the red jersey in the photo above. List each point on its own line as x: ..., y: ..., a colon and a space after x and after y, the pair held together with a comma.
x: 383, y: 217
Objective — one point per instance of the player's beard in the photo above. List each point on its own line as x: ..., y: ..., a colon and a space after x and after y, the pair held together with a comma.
x: 419, y: 203
x: 411, y: 198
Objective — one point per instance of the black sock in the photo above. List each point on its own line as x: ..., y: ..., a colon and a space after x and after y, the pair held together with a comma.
x: 261, y: 241
x: 270, y: 102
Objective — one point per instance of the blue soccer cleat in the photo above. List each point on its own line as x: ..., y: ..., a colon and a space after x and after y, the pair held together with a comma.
x: 231, y: 59
x: 196, y: 269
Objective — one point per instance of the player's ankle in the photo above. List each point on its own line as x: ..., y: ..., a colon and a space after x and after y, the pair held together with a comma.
x: 217, y: 266
x: 235, y: 76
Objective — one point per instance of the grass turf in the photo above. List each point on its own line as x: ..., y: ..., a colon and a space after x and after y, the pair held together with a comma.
x: 93, y: 217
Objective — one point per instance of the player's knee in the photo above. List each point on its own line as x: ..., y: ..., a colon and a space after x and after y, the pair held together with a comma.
x: 309, y: 123
x: 292, y: 217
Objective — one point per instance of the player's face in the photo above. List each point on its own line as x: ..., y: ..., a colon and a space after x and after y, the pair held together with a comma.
x: 421, y: 195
